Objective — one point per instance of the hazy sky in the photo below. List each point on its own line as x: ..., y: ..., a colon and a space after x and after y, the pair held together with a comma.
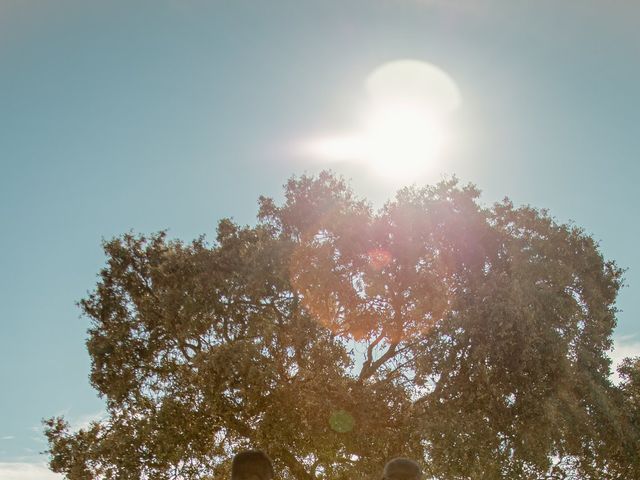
x: 120, y: 115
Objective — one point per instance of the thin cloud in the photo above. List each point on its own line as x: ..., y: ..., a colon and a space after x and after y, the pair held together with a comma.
x: 623, y: 347
x: 77, y: 422
x: 8, y: 437
x: 26, y: 471
x: 84, y: 421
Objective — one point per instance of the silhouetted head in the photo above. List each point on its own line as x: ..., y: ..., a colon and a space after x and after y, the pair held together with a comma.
x: 251, y: 465
x: 401, y: 469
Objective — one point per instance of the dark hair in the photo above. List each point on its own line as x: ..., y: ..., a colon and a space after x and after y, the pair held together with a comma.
x: 401, y: 469
x: 251, y: 464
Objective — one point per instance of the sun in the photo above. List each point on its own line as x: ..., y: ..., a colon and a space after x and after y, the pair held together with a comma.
x: 420, y: 83
x: 402, y: 139
x: 404, y: 130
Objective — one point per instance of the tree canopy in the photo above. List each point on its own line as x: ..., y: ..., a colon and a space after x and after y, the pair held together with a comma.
x: 335, y: 336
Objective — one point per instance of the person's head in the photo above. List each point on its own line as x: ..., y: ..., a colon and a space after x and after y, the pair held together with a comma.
x: 251, y: 465
x: 401, y: 469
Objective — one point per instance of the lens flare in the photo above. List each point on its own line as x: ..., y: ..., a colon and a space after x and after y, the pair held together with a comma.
x: 341, y: 421
x: 379, y: 258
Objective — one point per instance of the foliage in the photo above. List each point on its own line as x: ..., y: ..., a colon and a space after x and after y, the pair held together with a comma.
x: 335, y: 336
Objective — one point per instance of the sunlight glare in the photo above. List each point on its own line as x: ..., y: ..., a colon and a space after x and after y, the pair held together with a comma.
x: 402, y: 139
x: 404, y: 130
x: 418, y: 82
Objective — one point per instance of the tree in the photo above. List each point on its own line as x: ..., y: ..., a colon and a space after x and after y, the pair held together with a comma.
x: 334, y: 337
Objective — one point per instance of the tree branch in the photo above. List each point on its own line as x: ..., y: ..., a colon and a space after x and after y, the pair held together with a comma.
x: 369, y: 367
x: 367, y: 363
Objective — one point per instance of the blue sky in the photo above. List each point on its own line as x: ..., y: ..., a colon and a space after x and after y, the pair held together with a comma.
x: 172, y: 114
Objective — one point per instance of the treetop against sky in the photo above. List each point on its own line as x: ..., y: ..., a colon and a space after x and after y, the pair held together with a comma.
x: 335, y: 336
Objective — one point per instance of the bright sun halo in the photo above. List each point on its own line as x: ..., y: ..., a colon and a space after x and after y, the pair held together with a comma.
x: 403, y: 131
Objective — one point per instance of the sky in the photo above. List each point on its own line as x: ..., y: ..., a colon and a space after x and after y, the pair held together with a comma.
x: 171, y: 114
